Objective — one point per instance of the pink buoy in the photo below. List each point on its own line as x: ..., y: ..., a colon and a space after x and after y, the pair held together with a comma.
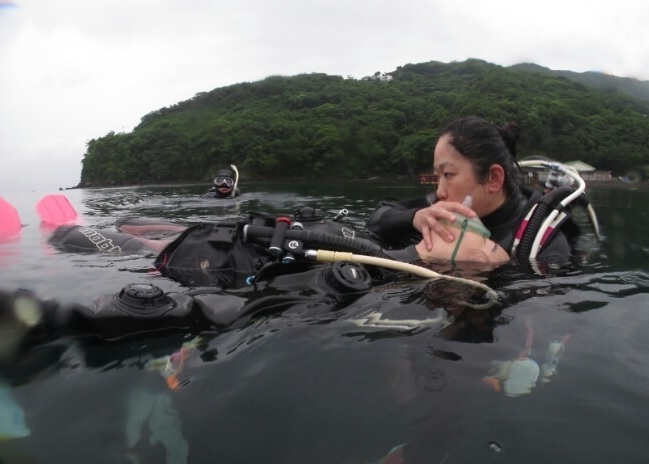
x: 9, y: 219
x: 56, y: 210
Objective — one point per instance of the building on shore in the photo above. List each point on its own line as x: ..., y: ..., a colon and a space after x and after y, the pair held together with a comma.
x: 428, y: 179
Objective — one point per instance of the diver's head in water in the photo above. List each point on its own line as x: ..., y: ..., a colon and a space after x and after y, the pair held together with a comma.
x: 224, y: 183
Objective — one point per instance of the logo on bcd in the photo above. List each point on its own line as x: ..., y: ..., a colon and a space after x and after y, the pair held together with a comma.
x: 347, y: 233
x: 102, y: 243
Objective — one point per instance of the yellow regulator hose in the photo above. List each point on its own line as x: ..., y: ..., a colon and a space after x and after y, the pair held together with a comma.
x: 328, y: 256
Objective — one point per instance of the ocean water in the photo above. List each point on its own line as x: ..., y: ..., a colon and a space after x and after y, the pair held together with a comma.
x: 314, y: 382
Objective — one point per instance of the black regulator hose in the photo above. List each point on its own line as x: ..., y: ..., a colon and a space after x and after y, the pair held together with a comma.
x: 315, y: 239
x: 543, y: 208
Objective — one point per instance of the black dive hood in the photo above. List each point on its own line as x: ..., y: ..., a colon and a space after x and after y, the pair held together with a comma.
x: 225, y: 173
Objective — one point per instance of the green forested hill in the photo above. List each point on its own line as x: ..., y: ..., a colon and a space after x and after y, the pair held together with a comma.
x: 633, y: 87
x: 317, y: 125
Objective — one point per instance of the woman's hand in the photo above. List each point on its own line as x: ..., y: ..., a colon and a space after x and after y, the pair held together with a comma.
x: 430, y: 220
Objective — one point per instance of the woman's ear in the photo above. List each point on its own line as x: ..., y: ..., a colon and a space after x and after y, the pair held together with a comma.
x: 496, y: 179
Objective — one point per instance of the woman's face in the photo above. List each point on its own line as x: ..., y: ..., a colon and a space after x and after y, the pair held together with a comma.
x: 456, y: 176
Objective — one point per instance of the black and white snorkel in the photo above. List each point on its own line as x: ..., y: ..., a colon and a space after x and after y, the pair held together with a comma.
x: 236, y: 181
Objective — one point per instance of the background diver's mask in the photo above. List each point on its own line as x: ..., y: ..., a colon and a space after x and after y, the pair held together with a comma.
x: 224, y: 182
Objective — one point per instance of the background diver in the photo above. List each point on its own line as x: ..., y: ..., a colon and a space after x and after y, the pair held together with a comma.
x: 226, y: 183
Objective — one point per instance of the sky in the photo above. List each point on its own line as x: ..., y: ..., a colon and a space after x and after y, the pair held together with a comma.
x: 75, y: 70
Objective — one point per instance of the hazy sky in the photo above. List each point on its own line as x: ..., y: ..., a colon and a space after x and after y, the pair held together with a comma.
x: 74, y: 70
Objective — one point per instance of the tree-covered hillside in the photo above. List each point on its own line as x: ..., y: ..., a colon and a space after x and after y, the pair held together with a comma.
x: 632, y: 87
x: 317, y: 125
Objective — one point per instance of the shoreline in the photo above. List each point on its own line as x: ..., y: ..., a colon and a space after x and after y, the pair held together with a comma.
x: 333, y: 180
x: 596, y: 184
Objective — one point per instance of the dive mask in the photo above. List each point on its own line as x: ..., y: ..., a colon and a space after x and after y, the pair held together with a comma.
x: 227, y: 181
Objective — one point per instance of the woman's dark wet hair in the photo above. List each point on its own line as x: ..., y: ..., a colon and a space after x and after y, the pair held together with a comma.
x: 485, y: 144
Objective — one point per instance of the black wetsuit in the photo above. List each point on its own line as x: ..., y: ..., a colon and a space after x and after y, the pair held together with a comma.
x: 214, y: 189
x: 392, y: 220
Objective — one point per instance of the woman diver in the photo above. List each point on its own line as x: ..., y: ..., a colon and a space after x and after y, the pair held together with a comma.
x: 473, y: 158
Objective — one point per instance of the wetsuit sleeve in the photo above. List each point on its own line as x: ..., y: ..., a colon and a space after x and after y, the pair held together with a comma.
x: 392, y: 220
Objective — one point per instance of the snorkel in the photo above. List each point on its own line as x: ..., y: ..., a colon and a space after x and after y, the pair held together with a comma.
x: 236, y: 180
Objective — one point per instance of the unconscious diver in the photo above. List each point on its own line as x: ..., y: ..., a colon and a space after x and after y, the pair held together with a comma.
x: 222, y: 261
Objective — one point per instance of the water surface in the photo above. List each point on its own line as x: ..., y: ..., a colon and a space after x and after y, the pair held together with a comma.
x: 308, y: 385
